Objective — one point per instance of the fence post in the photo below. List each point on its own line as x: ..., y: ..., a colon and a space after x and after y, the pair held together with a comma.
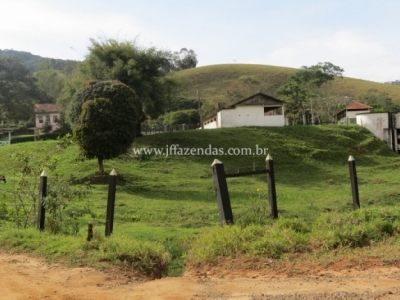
x: 354, y: 182
x: 221, y: 190
x: 269, y: 165
x: 90, y: 232
x: 112, y: 184
x: 42, y: 195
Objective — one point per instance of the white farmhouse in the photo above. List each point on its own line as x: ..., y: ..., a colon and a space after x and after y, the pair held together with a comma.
x: 256, y: 110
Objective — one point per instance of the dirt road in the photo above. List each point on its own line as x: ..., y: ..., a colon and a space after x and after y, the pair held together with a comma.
x: 23, y: 277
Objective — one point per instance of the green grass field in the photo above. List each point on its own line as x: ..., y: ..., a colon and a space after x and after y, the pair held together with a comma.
x: 168, y: 204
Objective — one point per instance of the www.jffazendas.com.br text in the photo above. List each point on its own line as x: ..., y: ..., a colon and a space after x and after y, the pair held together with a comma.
x: 175, y: 149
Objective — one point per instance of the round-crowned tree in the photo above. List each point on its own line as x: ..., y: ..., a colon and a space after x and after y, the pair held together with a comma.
x: 103, y: 115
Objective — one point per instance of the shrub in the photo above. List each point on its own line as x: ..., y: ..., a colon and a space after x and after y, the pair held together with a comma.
x: 22, y: 139
x: 354, y: 229
x: 176, y: 118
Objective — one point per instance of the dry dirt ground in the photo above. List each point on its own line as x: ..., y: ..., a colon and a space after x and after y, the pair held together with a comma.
x: 23, y: 277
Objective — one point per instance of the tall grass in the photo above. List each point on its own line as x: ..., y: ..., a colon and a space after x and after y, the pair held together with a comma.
x: 147, y: 257
x: 355, y: 229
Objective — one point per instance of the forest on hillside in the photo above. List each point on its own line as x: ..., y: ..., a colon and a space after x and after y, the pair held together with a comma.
x: 35, y: 62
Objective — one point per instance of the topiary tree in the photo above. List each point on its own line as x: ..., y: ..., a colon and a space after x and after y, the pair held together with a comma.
x: 104, y: 114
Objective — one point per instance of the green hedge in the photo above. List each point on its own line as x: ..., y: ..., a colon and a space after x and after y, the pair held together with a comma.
x: 22, y: 139
x: 42, y: 137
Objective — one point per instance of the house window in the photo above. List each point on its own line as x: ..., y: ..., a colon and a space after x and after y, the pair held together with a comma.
x: 353, y: 120
x: 271, y: 111
x: 55, y: 118
x: 40, y: 119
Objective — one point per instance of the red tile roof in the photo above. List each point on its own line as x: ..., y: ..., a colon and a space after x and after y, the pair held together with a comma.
x: 47, y: 108
x: 357, y: 105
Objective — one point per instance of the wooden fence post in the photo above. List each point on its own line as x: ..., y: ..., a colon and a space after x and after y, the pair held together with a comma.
x: 354, y: 182
x: 90, y: 232
x: 42, y: 195
x: 221, y: 190
x: 112, y: 184
x: 269, y: 165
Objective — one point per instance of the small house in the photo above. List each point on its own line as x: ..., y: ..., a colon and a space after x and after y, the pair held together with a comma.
x: 349, y: 113
x: 257, y: 110
x: 47, y: 114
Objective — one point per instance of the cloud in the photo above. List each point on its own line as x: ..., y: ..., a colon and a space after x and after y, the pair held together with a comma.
x: 55, y: 33
x: 359, y: 55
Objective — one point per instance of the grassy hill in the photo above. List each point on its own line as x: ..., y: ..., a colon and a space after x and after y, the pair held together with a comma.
x: 216, y: 81
x: 168, y: 203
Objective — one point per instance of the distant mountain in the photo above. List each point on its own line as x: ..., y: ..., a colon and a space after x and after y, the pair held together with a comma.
x: 36, y: 62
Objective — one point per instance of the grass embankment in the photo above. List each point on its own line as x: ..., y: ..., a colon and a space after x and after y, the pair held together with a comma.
x: 214, y: 82
x: 169, y: 202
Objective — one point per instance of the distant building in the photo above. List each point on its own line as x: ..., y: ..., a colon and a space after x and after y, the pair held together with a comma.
x: 385, y: 126
x: 257, y: 110
x: 47, y: 113
x: 348, y: 115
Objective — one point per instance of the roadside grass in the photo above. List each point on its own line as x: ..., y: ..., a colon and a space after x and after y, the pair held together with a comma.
x: 329, y: 231
x: 146, y: 257
x: 169, y: 202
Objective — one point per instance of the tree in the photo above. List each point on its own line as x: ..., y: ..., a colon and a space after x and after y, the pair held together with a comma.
x: 296, y: 94
x: 182, y: 104
x: 104, y: 114
x: 177, y: 117
x: 185, y: 59
x: 380, y: 101
x: 142, y: 69
x: 50, y: 81
x: 325, y: 107
x: 182, y: 117
x: 18, y: 90
x: 309, y: 83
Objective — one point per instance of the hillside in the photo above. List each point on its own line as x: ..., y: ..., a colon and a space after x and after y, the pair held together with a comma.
x: 216, y: 81
x: 168, y: 203
x: 35, y: 62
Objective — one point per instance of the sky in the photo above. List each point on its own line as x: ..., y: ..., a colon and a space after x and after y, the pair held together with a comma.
x: 360, y: 36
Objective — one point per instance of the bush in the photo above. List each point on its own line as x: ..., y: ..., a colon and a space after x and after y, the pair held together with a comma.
x: 176, y: 118
x: 22, y: 139
x: 148, y: 257
x: 182, y: 117
x: 42, y: 137
x: 63, y: 130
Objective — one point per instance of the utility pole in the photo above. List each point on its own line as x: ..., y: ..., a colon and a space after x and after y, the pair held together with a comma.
x: 312, y: 113
x: 201, y: 117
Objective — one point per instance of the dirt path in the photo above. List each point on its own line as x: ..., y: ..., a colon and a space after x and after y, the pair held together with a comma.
x: 23, y: 277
